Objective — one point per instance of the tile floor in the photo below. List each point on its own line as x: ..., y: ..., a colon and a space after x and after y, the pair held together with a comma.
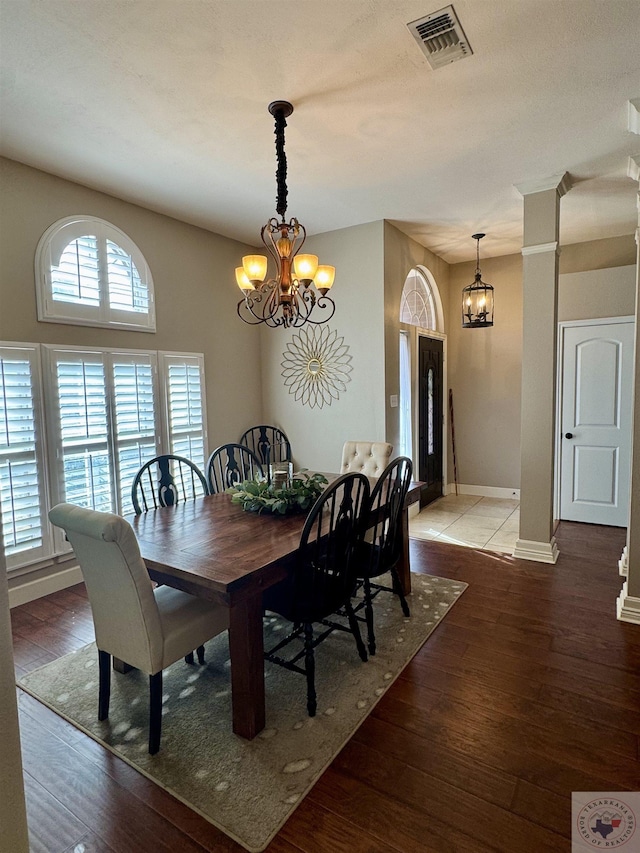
x: 487, y: 523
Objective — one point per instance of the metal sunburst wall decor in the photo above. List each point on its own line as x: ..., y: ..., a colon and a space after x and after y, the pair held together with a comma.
x: 316, y: 365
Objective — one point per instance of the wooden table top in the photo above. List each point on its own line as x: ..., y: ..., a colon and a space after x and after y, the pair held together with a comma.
x: 213, y: 547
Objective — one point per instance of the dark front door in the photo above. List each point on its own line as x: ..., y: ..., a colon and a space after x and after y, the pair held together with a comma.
x: 430, y: 422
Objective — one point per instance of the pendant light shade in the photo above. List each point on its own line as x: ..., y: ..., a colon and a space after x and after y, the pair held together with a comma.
x: 477, y: 298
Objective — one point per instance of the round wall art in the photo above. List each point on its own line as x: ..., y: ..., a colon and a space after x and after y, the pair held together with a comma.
x: 316, y: 365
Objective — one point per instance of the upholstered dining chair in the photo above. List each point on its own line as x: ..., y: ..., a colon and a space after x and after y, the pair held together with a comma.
x: 269, y: 443
x: 166, y: 480
x: 149, y: 628
x: 322, y: 580
x: 229, y: 465
x: 381, y: 548
x: 366, y: 457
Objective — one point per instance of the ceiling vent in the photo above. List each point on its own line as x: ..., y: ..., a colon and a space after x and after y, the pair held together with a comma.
x: 441, y: 37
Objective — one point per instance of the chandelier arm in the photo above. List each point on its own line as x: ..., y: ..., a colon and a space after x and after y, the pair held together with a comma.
x: 281, y: 171
x: 322, y: 302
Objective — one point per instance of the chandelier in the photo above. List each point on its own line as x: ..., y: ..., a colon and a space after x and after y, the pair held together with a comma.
x: 477, y: 298
x: 300, y: 285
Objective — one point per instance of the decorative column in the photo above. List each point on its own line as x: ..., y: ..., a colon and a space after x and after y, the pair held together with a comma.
x: 539, y: 367
x: 629, y: 599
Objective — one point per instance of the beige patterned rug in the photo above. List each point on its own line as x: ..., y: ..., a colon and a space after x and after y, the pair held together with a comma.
x: 247, y: 789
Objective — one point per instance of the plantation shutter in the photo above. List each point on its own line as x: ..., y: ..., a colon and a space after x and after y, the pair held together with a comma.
x: 126, y: 290
x: 76, y: 278
x: 136, y: 434
x: 184, y: 394
x: 87, y: 478
x: 26, y: 537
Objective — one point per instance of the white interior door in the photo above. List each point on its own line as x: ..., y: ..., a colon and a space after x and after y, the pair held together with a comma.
x: 595, y: 444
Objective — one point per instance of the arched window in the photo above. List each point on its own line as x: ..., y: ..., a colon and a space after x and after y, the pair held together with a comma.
x: 417, y: 305
x: 89, y: 272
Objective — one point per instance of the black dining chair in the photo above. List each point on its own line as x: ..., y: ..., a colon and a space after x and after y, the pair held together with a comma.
x: 165, y: 481
x: 322, y: 579
x: 269, y: 443
x: 381, y: 548
x: 231, y: 464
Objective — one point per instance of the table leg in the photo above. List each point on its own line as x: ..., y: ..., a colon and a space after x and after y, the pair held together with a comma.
x: 246, y: 646
x: 403, y: 568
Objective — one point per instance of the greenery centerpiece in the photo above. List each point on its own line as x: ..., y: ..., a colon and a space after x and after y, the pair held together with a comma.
x: 258, y: 495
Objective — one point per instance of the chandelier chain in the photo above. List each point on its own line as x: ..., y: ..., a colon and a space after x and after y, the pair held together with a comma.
x: 281, y: 171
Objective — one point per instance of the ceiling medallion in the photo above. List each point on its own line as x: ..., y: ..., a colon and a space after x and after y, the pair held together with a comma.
x: 300, y: 285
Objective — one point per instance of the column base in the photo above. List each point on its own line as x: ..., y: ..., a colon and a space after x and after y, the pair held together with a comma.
x: 623, y: 564
x: 539, y: 552
x: 628, y: 607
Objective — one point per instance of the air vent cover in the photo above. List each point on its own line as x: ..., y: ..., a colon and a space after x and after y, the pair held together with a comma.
x: 441, y: 37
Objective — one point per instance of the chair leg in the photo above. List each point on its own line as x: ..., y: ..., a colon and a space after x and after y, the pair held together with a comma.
x: 155, y: 711
x: 310, y: 669
x: 200, y: 653
x: 355, y: 630
x: 368, y: 612
x: 104, y: 689
x: 189, y: 659
x: 398, y: 591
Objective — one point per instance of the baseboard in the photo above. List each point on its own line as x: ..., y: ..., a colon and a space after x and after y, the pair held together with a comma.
x: 30, y: 590
x: 628, y: 607
x: 623, y: 564
x: 484, y: 491
x: 539, y: 552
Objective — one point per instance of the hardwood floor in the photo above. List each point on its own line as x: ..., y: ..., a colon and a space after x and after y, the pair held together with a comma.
x: 528, y: 690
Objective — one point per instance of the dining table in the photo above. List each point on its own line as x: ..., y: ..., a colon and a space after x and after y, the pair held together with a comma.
x: 212, y: 548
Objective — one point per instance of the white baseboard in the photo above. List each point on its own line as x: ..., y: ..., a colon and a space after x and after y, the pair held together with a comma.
x: 484, y: 491
x: 628, y: 607
x: 623, y: 564
x: 539, y: 552
x: 30, y: 590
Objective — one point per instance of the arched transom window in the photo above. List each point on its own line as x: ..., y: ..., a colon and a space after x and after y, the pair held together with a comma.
x: 90, y: 272
x: 417, y: 306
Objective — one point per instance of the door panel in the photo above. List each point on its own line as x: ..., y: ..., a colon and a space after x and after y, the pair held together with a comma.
x: 430, y: 418
x: 596, y: 423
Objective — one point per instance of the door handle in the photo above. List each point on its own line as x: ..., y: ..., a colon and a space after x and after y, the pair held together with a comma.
x: 568, y: 435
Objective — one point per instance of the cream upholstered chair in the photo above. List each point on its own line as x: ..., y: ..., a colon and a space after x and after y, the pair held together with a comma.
x: 146, y: 627
x: 365, y: 457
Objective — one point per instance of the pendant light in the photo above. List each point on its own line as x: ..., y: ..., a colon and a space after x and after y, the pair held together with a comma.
x: 477, y: 298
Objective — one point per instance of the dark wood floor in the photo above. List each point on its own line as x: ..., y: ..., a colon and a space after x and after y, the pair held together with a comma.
x: 529, y: 690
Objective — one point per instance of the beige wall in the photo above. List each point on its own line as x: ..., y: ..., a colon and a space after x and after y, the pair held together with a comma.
x: 485, y: 377
x: 596, y: 293
x: 317, y: 435
x: 193, y: 272
x: 485, y: 364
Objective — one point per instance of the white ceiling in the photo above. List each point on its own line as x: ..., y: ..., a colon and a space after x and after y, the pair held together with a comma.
x: 164, y: 103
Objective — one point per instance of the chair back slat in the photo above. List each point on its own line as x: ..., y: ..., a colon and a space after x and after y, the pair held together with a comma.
x: 231, y: 464
x: 165, y: 481
x: 269, y: 443
x: 325, y: 573
x: 387, y: 501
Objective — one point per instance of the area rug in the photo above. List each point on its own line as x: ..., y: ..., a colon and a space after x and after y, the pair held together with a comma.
x: 247, y: 789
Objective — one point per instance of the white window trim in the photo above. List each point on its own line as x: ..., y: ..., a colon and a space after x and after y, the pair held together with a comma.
x: 102, y: 316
